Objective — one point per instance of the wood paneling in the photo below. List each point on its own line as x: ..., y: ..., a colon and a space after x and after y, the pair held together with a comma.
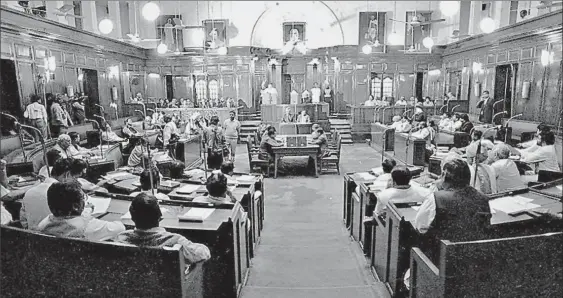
x: 27, y: 85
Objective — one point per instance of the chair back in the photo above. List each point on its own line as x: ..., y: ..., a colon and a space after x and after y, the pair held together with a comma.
x: 249, y: 149
x: 19, y: 168
x: 35, y: 265
x: 339, y: 147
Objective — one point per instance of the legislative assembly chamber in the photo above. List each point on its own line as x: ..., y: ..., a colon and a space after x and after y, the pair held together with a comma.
x: 299, y: 149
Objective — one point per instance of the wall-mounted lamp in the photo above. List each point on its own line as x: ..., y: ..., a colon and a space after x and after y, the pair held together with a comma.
x: 113, y: 71
x: 50, y: 64
x: 477, y: 89
x: 434, y: 72
x: 547, y: 57
x: 154, y: 75
x: 273, y: 61
x: 526, y: 89
x: 477, y: 67
x: 314, y: 61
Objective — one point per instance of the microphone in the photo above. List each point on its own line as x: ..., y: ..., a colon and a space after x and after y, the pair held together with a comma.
x: 453, y: 109
x: 499, y: 113
x: 42, y: 139
x: 17, y: 126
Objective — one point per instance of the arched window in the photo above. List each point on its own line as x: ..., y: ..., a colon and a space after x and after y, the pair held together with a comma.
x: 201, y: 89
x: 376, y: 87
x: 213, y: 89
x: 387, y: 87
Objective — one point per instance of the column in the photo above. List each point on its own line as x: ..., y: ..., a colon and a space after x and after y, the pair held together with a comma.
x: 90, y: 21
x: 115, y: 17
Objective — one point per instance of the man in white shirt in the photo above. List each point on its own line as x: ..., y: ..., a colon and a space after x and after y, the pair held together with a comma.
x: 405, y: 126
x: 401, y: 192
x: 545, y: 156
x: 396, y: 122
x: 316, y: 93
x: 370, y: 102
x: 34, y: 203
x: 232, y: 131
x: 63, y: 144
x: 145, y: 180
x: 169, y: 130
x: 422, y: 132
x: 506, y: 171
x: 37, y: 115
x: 457, y: 123
x: 401, y: 102
x: 445, y: 122
x: 68, y: 219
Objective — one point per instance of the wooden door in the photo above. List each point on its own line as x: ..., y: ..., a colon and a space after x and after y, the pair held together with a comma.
x: 361, y: 93
x: 345, y: 93
x: 228, y: 86
x: 286, y: 88
x: 26, y: 81
x: 180, y: 85
x: 244, y: 89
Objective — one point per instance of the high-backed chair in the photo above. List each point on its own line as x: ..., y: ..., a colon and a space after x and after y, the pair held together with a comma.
x: 333, y: 159
x: 37, y: 265
x: 253, y: 160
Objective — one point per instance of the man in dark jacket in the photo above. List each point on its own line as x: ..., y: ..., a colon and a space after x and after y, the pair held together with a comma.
x: 486, y: 105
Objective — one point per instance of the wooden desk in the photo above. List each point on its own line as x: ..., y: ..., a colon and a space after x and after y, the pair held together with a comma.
x: 223, y: 232
x: 382, y: 137
x: 409, y: 150
x: 308, y: 150
x: 294, y: 128
x: 272, y: 113
x: 188, y: 150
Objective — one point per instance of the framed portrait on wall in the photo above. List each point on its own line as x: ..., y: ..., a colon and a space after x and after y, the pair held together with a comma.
x: 215, y: 34
x: 293, y: 32
x: 372, y: 30
x: 166, y: 31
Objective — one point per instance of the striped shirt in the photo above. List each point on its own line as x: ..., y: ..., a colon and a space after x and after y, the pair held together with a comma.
x: 35, y: 111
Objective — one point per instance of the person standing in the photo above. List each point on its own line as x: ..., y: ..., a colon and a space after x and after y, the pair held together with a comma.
x: 214, y: 140
x: 37, y: 115
x: 328, y: 95
x: 316, y: 93
x: 79, y: 110
x: 486, y: 104
x: 232, y: 132
x: 59, y: 121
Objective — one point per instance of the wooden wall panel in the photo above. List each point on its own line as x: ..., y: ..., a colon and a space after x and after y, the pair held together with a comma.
x: 345, y: 92
x: 27, y: 85
x: 155, y: 87
x: 227, y: 85
x: 551, y: 106
x: 405, y: 85
x: 361, y: 82
x: 525, y: 73
x: 244, y: 88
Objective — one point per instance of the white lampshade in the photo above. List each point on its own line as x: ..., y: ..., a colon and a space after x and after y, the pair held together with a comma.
x: 449, y: 8
x: 487, y: 25
x: 105, y: 26
x: 222, y: 51
x: 428, y: 42
x: 366, y: 49
x: 151, y: 11
x: 394, y: 39
x: 162, y: 48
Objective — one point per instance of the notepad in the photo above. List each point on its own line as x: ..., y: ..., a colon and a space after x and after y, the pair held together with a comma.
x: 101, y: 205
x: 512, y: 204
x: 196, y: 214
x: 188, y: 188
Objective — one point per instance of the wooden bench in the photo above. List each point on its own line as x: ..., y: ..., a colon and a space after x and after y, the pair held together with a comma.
x: 528, y: 266
x: 36, y: 265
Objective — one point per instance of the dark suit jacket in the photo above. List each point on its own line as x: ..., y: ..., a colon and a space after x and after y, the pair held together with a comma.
x: 486, y: 114
x: 466, y: 127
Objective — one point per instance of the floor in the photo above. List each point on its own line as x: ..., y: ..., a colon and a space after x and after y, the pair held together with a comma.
x: 305, y: 251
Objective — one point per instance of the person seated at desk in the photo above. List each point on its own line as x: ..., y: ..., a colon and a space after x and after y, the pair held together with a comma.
x: 545, y: 156
x: 506, y: 171
x: 177, y: 169
x: 446, y: 122
x: 419, y: 115
x: 384, y: 179
x: 128, y: 130
x: 63, y: 145
x: 78, y: 169
x: 401, y: 191
x: 139, y: 149
x: 145, y: 180
x: 109, y: 136
x: 471, y: 149
x: 218, y: 191
x: 66, y: 203
x: 75, y: 149
x: 228, y: 169
x: 405, y: 125
x: 396, y: 122
x: 423, y: 132
x: 146, y: 214
x: 370, y: 102
x: 319, y: 138
x: 268, y: 141
x: 303, y: 117
x: 456, y: 212
x: 288, y: 116
x: 52, y: 156
x: 401, y: 102
x: 466, y: 125
x: 428, y: 102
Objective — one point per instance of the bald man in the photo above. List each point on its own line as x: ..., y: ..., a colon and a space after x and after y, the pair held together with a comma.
x: 63, y: 144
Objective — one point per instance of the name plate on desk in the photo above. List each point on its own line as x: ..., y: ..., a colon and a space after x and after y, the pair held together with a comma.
x: 196, y: 214
x: 296, y: 141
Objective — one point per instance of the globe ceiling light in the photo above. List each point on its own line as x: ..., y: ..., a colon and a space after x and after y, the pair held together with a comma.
x: 222, y: 51
x: 151, y: 11
x: 394, y: 39
x: 162, y: 48
x: 428, y: 42
x: 105, y: 26
x: 366, y: 49
x: 449, y: 8
x: 487, y: 25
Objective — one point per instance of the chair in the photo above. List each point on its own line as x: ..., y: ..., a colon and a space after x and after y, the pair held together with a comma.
x: 253, y: 160
x: 35, y: 265
x: 333, y: 159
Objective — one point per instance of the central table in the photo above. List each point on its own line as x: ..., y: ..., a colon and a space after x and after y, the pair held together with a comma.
x: 310, y: 150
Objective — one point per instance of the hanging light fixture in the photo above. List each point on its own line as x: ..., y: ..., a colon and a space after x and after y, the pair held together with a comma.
x: 487, y: 24
x: 366, y: 49
x: 105, y: 26
x: 449, y: 8
x: 428, y: 42
x: 151, y: 11
x: 177, y: 51
x: 394, y: 38
x: 222, y: 51
x: 162, y: 48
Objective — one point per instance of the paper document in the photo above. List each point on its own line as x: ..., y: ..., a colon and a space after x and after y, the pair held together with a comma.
x: 377, y: 171
x: 379, y: 185
x: 245, y: 178
x: 116, y: 175
x: 188, y: 188
x: 100, y: 204
x: 169, y: 183
x: 512, y: 204
x: 365, y: 176
x: 196, y: 214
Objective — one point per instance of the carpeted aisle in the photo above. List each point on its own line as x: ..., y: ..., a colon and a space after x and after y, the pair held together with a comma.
x: 305, y: 251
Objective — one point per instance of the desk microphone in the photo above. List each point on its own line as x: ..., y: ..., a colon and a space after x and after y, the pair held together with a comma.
x: 17, y: 126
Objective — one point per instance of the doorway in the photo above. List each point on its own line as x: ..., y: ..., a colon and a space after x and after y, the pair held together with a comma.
x: 169, y: 87
x: 504, y: 83
x: 9, y: 94
x: 418, y: 86
x: 90, y: 84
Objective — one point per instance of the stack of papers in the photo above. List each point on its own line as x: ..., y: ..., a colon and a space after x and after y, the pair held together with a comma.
x: 100, y: 204
x: 188, y: 188
x: 128, y: 214
x: 365, y: 176
x: 512, y: 204
x: 169, y: 183
x: 196, y: 214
